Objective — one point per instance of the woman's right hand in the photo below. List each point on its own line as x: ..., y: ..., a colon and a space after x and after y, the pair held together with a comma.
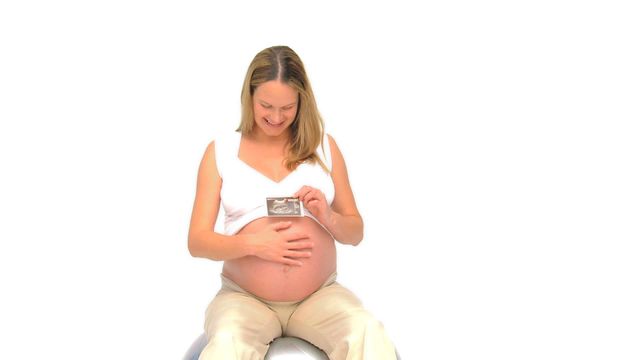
x: 277, y: 245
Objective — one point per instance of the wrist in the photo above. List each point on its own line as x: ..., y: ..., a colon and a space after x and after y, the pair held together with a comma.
x: 331, y: 220
x: 248, y: 241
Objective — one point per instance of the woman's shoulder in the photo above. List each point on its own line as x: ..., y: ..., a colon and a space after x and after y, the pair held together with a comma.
x: 330, y: 144
x: 327, y: 149
x: 220, y: 150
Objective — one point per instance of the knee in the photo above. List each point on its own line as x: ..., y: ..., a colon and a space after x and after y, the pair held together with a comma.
x: 223, y: 336
x: 364, y: 324
x: 223, y: 324
x: 368, y: 339
x: 242, y: 325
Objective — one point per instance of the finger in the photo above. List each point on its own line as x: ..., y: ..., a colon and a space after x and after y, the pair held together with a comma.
x: 298, y: 254
x: 313, y: 195
x: 292, y: 262
x: 281, y: 225
x: 310, y: 192
x: 297, y: 236
x: 301, y: 245
x: 299, y: 191
x: 300, y: 194
x: 313, y: 205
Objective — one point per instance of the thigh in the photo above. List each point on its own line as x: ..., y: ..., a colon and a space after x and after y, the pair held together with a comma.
x: 328, y: 317
x: 242, y: 316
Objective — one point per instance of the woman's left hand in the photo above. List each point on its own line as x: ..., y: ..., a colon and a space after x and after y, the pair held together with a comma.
x: 315, y: 201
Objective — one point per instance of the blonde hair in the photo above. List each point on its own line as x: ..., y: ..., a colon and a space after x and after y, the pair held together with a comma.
x: 307, y: 130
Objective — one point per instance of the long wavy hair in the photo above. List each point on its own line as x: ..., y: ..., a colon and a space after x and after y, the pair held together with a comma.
x: 307, y: 129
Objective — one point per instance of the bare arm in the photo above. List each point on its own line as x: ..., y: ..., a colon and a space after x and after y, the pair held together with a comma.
x: 344, y: 221
x: 204, y: 242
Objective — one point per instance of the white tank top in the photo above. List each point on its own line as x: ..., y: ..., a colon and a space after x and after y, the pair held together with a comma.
x: 244, y: 189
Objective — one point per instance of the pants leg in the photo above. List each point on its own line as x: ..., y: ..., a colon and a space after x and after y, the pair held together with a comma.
x: 334, y: 320
x: 238, y: 327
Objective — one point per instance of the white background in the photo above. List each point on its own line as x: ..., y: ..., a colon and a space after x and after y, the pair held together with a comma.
x: 492, y: 146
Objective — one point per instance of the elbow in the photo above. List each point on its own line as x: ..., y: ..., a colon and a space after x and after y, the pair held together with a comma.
x: 357, y: 239
x: 193, y: 245
x: 197, y: 246
x: 357, y: 234
x: 353, y: 241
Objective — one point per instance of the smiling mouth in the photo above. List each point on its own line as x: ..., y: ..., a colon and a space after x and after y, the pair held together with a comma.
x: 272, y: 123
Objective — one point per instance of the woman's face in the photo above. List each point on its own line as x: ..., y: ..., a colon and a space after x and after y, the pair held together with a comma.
x: 274, y: 107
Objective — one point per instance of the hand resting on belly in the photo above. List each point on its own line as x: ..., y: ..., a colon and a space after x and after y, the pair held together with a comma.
x: 279, y: 242
x: 292, y: 259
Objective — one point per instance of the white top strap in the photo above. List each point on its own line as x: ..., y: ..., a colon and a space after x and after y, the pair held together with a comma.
x: 325, y: 152
x: 226, y: 153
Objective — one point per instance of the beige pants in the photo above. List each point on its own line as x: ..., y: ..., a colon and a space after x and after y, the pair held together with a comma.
x: 240, y: 325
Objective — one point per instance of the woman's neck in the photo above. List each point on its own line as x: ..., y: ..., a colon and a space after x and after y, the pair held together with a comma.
x: 280, y: 141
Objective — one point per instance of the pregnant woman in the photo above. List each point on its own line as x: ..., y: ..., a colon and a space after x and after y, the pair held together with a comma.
x: 279, y: 273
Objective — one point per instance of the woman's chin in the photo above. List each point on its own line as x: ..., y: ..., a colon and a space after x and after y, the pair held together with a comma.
x: 274, y: 131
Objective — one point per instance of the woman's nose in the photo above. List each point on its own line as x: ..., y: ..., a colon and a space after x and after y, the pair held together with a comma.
x: 277, y: 114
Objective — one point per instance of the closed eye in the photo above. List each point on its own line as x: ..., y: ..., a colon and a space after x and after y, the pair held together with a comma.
x: 268, y: 106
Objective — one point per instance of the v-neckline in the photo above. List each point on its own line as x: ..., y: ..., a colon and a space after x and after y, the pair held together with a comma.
x: 256, y: 170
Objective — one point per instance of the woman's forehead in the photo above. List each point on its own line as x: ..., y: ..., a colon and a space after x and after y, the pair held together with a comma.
x: 276, y: 93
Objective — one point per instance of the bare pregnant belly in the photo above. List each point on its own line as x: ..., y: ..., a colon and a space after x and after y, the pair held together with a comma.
x: 276, y: 281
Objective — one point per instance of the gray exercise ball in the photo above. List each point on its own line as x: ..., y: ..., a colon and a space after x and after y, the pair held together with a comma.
x: 280, y: 349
